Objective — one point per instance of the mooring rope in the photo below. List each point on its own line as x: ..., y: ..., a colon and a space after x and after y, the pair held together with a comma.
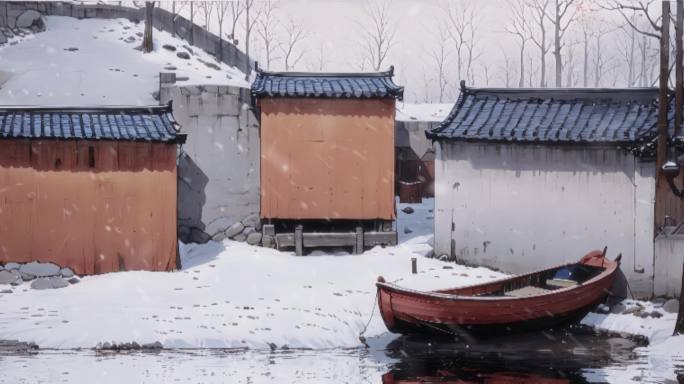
x: 362, y: 338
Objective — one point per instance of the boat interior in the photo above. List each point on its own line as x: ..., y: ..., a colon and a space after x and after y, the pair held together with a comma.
x: 532, y: 284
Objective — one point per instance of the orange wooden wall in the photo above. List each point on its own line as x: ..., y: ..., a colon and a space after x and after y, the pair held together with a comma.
x: 119, y: 214
x: 327, y: 158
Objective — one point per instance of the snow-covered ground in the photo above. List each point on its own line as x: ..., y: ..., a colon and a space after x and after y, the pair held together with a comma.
x: 655, y: 329
x: 423, y: 112
x: 232, y: 295
x: 95, y: 62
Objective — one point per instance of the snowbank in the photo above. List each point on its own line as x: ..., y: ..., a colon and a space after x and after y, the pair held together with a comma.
x: 655, y: 330
x: 232, y: 295
x: 423, y: 112
x: 95, y: 62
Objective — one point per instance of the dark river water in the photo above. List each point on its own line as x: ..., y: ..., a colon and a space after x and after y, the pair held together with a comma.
x: 574, y: 355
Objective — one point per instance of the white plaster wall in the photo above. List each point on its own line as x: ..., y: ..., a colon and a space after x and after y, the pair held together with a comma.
x: 669, y: 255
x: 219, y: 178
x: 523, y: 207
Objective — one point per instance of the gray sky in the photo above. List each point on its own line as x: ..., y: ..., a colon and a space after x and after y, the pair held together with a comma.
x: 333, y: 27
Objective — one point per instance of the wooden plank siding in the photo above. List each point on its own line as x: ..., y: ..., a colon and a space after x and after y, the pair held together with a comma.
x: 327, y: 158
x: 94, y: 206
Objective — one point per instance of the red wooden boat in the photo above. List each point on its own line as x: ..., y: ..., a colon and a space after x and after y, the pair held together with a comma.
x: 535, y: 300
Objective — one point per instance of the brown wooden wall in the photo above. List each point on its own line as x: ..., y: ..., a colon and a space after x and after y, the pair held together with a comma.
x: 327, y: 158
x: 667, y: 203
x: 96, y: 210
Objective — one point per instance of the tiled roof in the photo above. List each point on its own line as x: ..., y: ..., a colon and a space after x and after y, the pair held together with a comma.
x: 327, y: 85
x: 552, y: 115
x: 101, y: 123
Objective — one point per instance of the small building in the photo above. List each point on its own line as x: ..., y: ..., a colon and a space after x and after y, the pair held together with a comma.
x: 327, y: 156
x: 528, y: 178
x: 414, y: 152
x: 93, y: 189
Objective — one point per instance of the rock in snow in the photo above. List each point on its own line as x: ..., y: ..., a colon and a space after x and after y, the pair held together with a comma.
x: 11, y: 266
x: 234, y: 229
x: 66, y: 272
x: 408, y: 210
x: 254, y: 238
x: 671, y: 306
x: 29, y: 18
x: 39, y: 269
x: 252, y: 221
x: 8, y: 277
x: 49, y: 283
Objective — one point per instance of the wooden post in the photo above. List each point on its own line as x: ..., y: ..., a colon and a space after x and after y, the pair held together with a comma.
x: 299, y: 240
x: 358, y: 248
x: 679, y: 93
x: 414, y: 265
x: 662, y: 187
x: 147, y: 36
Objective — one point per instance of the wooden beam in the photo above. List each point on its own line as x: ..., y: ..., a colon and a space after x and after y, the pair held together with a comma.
x: 662, y: 186
x: 337, y: 239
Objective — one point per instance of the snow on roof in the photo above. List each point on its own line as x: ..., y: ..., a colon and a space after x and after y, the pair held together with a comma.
x: 94, y: 62
x: 422, y: 112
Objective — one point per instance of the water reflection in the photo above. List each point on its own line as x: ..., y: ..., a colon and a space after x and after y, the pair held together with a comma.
x: 554, y: 356
x: 573, y: 355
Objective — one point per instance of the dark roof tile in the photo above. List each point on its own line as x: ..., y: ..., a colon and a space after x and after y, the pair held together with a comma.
x: 552, y: 115
x: 101, y: 123
x: 375, y: 85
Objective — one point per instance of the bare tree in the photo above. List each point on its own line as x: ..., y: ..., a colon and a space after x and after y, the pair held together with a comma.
x: 586, y: 21
x: 561, y: 17
x: 427, y: 81
x: 570, y: 80
x: 627, y: 47
x: 505, y: 69
x: 266, y: 29
x: 532, y: 70
x: 147, y: 36
x: 485, y: 73
x: 222, y: 8
x: 642, y: 18
x: 322, y: 57
x: 378, y: 36
x: 520, y: 28
x: 206, y: 7
x: 539, y: 37
x: 292, y: 53
x: 627, y: 9
x: 462, y: 29
x: 235, y: 8
x: 191, y: 38
x: 440, y: 55
x: 176, y: 8
x: 251, y: 18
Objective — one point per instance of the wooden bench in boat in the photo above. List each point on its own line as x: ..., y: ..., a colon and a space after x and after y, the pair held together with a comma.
x: 531, y: 290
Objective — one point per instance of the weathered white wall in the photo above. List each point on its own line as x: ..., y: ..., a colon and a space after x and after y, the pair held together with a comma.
x: 219, y: 168
x: 525, y: 207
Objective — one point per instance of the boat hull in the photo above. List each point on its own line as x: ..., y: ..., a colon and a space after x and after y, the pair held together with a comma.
x: 407, y: 311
